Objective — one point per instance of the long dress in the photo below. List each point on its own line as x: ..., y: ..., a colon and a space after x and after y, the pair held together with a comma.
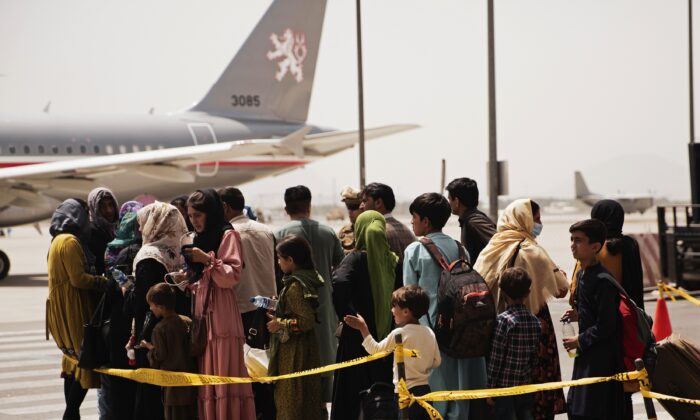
x: 352, y: 295
x: 223, y: 355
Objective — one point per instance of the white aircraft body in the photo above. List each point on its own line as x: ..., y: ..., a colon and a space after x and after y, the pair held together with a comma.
x: 251, y: 124
x: 630, y: 202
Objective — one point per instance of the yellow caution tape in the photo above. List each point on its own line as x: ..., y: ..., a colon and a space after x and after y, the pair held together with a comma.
x: 656, y: 395
x: 168, y: 378
x: 665, y: 287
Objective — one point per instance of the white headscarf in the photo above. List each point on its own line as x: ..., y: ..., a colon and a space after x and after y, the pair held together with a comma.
x: 515, y: 228
x: 162, y: 226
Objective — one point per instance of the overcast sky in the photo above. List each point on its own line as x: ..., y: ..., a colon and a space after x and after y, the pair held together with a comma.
x: 595, y: 85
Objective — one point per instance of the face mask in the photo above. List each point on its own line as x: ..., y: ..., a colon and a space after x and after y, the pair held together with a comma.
x: 537, y: 230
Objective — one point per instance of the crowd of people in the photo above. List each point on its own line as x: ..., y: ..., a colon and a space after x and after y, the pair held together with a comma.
x: 176, y: 281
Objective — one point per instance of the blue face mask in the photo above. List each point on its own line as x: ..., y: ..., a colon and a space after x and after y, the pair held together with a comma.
x: 537, y: 230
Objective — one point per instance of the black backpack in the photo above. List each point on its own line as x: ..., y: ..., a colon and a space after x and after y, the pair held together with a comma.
x: 466, y: 309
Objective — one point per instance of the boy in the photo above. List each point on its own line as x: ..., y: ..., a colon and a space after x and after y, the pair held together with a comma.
x: 429, y: 214
x: 514, y: 347
x: 599, y: 342
x: 170, y: 350
x: 408, y: 304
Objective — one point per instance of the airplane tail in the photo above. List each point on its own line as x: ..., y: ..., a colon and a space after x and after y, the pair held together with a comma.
x: 271, y: 76
x: 581, y: 187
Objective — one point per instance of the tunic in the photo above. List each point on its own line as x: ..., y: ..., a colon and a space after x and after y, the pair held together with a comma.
x: 327, y: 254
x: 223, y: 355
x: 477, y: 230
x: 70, y: 304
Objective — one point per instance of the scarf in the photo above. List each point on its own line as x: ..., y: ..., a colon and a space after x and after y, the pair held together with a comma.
x: 515, y: 230
x: 94, y: 198
x: 162, y: 226
x: 71, y: 217
x: 210, y: 239
x: 612, y: 214
x: 370, y: 237
x: 127, y: 232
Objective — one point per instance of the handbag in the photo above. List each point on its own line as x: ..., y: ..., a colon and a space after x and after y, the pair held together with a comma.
x: 199, y: 332
x: 93, y: 350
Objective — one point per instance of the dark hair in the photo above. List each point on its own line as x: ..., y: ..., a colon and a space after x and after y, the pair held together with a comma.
x: 297, y: 199
x: 594, y: 229
x: 413, y: 298
x: 535, y: 207
x: 233, y: 197
x: 196, y: 200
x: 383, y: 191
x: 352, y: 205
x: 161, y: 294
x: 179, y: 201
x: 465, y: 190
x: 434, y: 206
x: 298, y: 249
x: 515, y: 282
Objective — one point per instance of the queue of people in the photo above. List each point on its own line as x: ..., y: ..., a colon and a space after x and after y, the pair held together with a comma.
x: 190, y: 269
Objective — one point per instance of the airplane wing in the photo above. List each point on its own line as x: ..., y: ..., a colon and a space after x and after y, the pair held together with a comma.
x: 324, y: 144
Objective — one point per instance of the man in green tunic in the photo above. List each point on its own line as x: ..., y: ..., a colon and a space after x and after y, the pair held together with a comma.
x: 327, y: 254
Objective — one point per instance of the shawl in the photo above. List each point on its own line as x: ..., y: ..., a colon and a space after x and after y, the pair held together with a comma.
x: 209, y: 240
x: 162, y: 226
x: 94, y: 198
x: 127, y: 232
x: 370, y: 236
x: 72, y: 218
x: 515, y: 230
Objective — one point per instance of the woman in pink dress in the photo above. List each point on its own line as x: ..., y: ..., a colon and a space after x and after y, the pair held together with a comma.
x: 216, y: 257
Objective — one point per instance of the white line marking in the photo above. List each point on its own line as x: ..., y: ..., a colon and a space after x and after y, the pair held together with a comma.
x: 30, y: 373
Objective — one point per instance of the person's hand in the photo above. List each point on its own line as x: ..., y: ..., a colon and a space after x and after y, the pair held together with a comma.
x: 490, y: 402
x: 273, y: 325
x: 358, y: 323
x: 570, y: 315
x: 197, y: 255
x: 570, y: 343
x: 145, y: 344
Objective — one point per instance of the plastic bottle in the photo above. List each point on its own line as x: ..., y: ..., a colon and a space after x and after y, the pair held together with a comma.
x: 130, y: 352
x: 119, y: 276
x: 568, y: 331
x: 264, y: 302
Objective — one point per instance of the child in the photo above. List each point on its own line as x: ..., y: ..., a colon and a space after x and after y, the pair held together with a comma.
x: 293, y: 345
x: 514, y: 347
x: 429, y: 213
x: 408, y: 304
x: 599, y: 342
x: 170, y: 350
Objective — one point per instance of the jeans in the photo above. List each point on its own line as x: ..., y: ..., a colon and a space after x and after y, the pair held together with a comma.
x: 517, y: 407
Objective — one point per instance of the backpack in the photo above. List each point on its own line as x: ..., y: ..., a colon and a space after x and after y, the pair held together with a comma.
x: 466, y: 309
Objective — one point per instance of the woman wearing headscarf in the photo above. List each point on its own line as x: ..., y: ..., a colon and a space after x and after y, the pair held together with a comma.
x: 122, y: 250
x: 515, y: 245
x: 217, y: 259
x: 161, y: 226
x: 71, y: 301
x: 362, y: 284
x: 103, y: 209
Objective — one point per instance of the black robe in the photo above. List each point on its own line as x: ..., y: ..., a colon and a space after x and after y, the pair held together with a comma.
x: 352, y: 295
x: 600, y: 347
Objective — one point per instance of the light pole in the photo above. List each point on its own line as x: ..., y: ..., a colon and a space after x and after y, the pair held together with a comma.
x: 493, y: 153
x: 360, y: 96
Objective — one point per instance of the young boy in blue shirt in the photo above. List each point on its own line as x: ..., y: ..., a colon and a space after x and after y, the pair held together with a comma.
x: 514, y: 347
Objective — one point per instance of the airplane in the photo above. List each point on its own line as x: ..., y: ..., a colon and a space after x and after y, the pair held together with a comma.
x: 630, y: 203
x: 251, y: 124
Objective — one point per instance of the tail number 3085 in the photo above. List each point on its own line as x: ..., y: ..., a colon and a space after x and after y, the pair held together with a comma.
x: 252, y: 101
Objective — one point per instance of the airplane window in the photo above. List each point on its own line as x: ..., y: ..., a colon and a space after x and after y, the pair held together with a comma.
x: 12, y: 150
x: 135, y: 148
x: 96, y: 148
x: 149, y: 147
x: 41, y: 149
x: 26, y: 150
x: 83, y: 149
x: 161, y: 147
x: 122, y: 148
x: 109, y: 149
x: 54, y: 150
x: 69, y: 150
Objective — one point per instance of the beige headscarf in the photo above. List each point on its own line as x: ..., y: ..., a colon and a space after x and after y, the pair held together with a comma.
x: 162, y: 226
x: 515, y: 227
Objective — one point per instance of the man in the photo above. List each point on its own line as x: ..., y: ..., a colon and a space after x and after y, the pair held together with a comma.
x: 346, y: 234
x: 327, y: 254
x: 257, y: 278
x: 477, y: 228
x: 380, y: 197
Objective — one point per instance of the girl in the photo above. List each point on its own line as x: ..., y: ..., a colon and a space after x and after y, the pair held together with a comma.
x: 293, y: 345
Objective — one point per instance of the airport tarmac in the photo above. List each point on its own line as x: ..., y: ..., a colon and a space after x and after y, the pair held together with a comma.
x: 30, y: 387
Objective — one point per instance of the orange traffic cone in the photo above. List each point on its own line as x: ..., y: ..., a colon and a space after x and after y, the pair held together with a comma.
x: 662, y: 322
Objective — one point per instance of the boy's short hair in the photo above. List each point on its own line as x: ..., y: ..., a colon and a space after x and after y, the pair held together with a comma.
x: 413, y: 298
x: 161, y: 294
x: 297, y: 199
x: 377, y: 190
x: 515, y: 282
x: 233, y: 197
x: 465, y: 190
x: 594, y: 229
x: 434, y: 206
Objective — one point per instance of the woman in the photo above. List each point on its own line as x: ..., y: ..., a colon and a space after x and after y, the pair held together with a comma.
x: 362, y: 284
x: 216, y: 254
x: 514, y: 245
x: 122, y: 250
x: 161, y: 226
x: 71, y: 299
x: 103, y: 209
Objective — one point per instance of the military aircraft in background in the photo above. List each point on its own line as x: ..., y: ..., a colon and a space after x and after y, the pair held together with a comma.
x: 251, y: 124
x: 631, y: 203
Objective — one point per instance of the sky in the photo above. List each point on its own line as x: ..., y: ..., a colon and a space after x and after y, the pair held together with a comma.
x: 596, y: 86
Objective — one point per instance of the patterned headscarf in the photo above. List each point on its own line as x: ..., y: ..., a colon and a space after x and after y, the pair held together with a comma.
x: 71, y: 217
x: 162, y: 227
x: 94, y: 198
x: 127, y: 233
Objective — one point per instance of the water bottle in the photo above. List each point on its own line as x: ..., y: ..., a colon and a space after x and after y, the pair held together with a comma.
x: 568, y: 331
x: 264, y: 302
x: 119, y: 276
x: 130, y: 352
